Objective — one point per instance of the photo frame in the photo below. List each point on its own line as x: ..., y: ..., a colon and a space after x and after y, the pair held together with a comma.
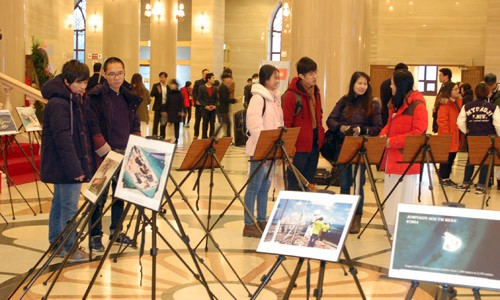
x: 102, y: 176
x: 309, y: 225
x: 144, y: 172
x: 28, y: 118
x: 446, y: 245
x: 7, y: 124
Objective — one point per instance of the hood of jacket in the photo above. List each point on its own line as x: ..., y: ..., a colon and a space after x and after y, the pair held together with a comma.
x: 296, y: 86
x: 55, y: 88
x: 259, y: 89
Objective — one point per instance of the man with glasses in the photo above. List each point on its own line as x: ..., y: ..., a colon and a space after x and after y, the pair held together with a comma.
x: 302, y: 108
x: 113, y: 117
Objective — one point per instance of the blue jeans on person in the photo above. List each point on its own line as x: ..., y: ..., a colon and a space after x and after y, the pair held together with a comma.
x: 346, y: 181
x: 116, y: 211
x: 64, y: 207
x: 258, y: 188
x: 306, y: 163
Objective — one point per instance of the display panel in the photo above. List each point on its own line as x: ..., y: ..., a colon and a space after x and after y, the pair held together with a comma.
x: 309, y: 225
x: 447, y: 245
x: 144, y: 171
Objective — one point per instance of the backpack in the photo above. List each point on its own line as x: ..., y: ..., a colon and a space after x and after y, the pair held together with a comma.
x: 298, y: 102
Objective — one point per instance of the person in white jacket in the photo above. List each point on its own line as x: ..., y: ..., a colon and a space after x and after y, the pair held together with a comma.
x: 264, y: 113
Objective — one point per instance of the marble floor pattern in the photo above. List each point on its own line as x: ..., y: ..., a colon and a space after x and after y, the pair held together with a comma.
x: 24, y: 240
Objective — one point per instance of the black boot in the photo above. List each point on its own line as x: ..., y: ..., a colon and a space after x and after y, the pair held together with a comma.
x: 356, y: 224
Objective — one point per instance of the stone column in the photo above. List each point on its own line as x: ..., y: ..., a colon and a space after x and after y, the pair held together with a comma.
x: 492, y: 56
x: 207, y: 37
x: 94, y: 33
x: 121, y: 24
x: 332, y: 33
x: 163, y: 36
x: 12, y: 49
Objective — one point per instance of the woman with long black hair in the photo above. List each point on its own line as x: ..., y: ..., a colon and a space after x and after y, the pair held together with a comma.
x: 356, y: 113
x: 407, y: 116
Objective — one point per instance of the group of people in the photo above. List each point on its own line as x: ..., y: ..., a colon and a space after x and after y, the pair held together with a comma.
x: 458, y: 114
x: 402, y: 111
x: 82, y: 125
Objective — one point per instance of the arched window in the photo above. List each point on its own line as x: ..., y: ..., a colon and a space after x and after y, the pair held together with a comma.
x: 275, y: 37
x: 79, y: 31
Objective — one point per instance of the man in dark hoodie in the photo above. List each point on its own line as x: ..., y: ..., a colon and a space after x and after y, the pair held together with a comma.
x: 302, y: 108
x: 113, y: 118
x: 66, y: 159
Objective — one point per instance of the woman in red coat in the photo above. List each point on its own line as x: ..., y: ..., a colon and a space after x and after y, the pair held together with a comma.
x: 449, y: 108
x: 407, y: 116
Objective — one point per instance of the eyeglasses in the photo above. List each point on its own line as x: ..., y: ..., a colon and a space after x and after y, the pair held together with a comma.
x: 116, y: 75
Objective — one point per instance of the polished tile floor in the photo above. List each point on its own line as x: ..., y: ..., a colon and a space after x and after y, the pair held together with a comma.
x: 237, y: 265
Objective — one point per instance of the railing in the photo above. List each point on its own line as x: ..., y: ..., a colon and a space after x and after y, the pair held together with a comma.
x: 10, y: 83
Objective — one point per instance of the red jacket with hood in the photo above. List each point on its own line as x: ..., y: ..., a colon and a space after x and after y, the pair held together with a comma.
x: 303, y: 119
x: 410, y: 119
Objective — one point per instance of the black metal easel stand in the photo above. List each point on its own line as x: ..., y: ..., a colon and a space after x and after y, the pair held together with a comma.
x: 427, y: 157
x: 271, y: 155
x: 210, y: 154
x: 79, y: 220
x: 490, y: 157
x: 10, y: 182
x: 318, y: 292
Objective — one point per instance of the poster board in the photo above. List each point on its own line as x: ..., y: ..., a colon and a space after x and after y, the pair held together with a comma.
x: 144, y: 172
x: 28, y: 118
x: 7, y: 124
x: 446, y: 245
x: 102, y: 176
x: 309, y: 225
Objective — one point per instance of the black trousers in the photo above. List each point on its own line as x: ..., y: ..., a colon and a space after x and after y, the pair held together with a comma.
x: 187, y: 115
x: 156, y: 123
x: 197, y: 120
x: 208, y: 120
x: 224, y: 120
x: 445, y: 169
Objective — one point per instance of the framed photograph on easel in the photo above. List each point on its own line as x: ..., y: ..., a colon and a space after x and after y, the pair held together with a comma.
x: 102, y: 176
x: 446, y: 245
x: 144, y: 172
x: 309, y: 225
x: 7, y: 124
x: 28, y: 118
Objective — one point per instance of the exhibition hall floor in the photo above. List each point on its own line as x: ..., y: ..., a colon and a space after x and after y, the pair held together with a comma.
x: 24, y: 240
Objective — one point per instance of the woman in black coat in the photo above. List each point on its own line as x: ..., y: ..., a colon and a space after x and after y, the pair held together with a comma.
x: 174, y: 107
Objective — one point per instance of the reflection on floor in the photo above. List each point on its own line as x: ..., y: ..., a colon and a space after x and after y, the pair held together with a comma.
x: 24, y: 240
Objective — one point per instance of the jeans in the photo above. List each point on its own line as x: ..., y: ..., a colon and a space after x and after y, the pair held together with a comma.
x: 176, y: 131
x: 64, y: 207
x: 469, y: 171
x: 197, y: 120
x: 445, y: 169
x: 116, y: 211
x: 208, y: 120
x: 156, y: 123
x: 258, y: 188
x: 306, y: 163
x: 346, y: 181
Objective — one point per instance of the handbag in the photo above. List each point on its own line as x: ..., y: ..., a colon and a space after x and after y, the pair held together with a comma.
x: 331, y: 147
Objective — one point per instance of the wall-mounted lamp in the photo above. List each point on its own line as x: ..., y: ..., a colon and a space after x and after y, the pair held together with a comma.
x: 70, y: 21
x: 94, y: 22
x: 180, y: 14
x: 156, y: 11
x: 202, y: 23
x: 286, y: 10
